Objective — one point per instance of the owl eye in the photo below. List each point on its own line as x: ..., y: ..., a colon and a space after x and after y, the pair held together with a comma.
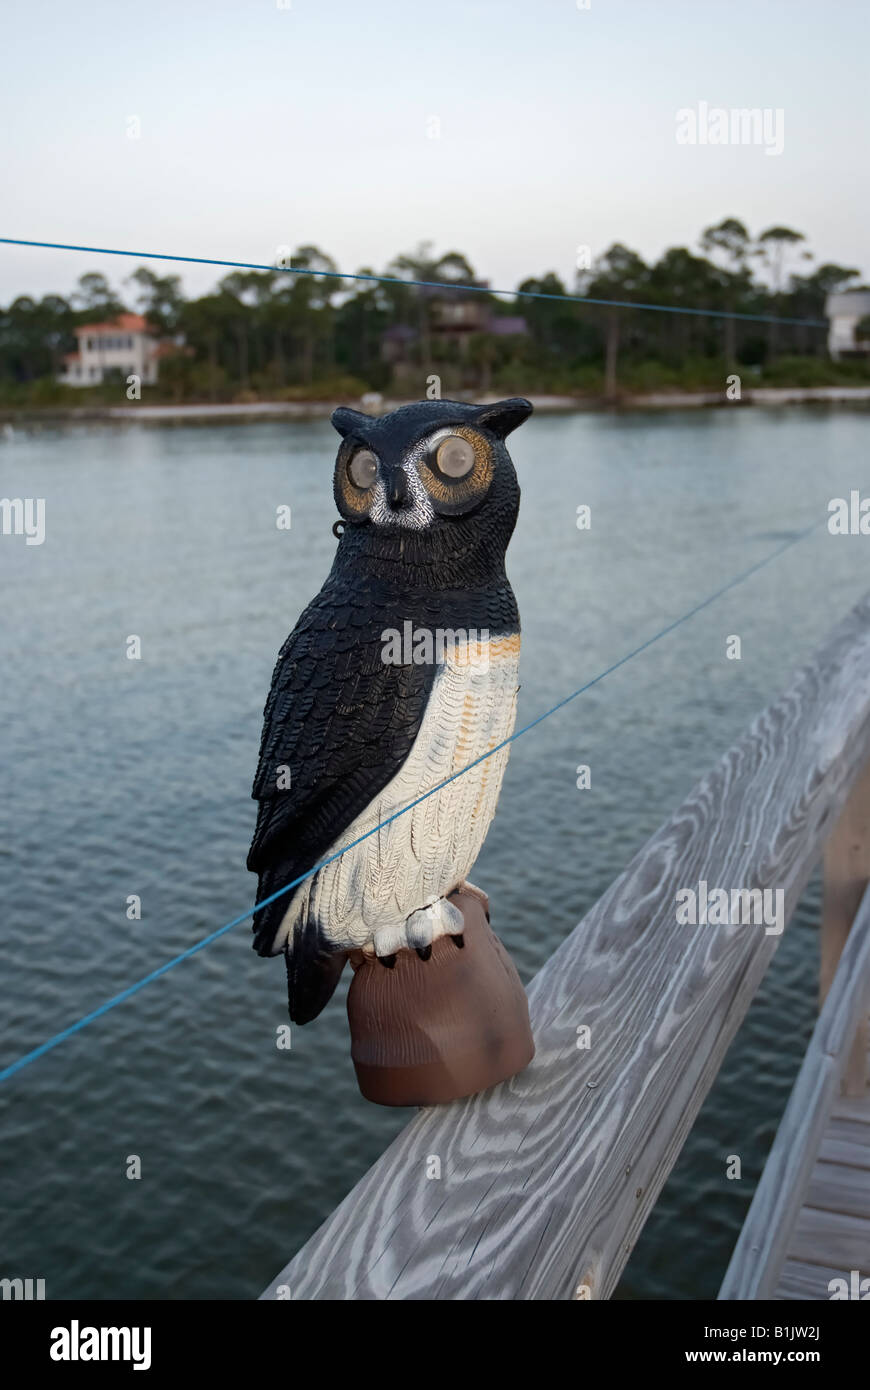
x: 363, y: 469
x: 454, y: 457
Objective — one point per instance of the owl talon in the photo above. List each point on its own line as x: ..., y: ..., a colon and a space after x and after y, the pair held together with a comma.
x: 388, y: 961
x: 458, y: 940
x: 441, y: 918
x: 424, y: 952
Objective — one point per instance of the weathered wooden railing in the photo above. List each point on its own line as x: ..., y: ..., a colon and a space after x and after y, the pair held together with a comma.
x: 546, y: 1181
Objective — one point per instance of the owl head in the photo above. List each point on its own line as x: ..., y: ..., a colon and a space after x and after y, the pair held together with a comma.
x: 436, y: 469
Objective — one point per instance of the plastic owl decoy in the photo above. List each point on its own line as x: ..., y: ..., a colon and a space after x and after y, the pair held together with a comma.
x: 402, y: 672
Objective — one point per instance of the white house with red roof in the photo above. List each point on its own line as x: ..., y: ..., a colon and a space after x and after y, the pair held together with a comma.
x: 127, y: 345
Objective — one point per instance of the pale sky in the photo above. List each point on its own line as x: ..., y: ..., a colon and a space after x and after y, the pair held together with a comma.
x: 263, y: 127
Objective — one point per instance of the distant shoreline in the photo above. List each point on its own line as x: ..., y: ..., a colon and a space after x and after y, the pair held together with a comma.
x: 313, y: 410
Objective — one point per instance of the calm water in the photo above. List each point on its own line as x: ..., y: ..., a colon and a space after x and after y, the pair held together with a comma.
x: 132, y: 777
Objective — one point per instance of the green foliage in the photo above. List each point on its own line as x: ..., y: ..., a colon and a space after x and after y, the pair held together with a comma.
x: 274, y: 335
x: 160, y: 298
x: 815, y: 371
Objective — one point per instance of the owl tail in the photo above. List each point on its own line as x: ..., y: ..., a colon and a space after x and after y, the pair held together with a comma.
x: 312, y: 975
x: 313, y: 969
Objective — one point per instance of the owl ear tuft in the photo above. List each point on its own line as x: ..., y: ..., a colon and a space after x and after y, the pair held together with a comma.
x: 503, y: 416
x: 348, y: 421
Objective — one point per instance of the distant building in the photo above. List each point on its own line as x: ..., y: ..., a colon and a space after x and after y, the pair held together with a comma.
x: 127, y: 345
x: 454, y: 316
x: 507, y: 326
x: 844, y: 312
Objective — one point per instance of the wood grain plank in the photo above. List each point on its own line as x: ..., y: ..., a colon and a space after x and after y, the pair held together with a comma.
x: 547, y: 1179
x: 832, y: 1239
x: 806, y: 1282
x: 840, y: 1187
x: 852, y: 1108
x: 845, y: 1141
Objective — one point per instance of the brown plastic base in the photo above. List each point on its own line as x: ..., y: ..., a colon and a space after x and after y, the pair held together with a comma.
x: 430, y: 1031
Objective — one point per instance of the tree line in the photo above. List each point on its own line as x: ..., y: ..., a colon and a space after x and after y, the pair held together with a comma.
x: 273, y: 335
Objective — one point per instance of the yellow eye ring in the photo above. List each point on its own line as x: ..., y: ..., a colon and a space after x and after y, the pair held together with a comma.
x: 455, y: 493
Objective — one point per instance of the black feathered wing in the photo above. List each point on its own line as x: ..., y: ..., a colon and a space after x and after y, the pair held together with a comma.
x: 341, y: 721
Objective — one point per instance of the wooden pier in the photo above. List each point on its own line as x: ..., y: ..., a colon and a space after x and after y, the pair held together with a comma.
x: 809, y: 1223
x: 539, y: 1188
x: 831, y: 1236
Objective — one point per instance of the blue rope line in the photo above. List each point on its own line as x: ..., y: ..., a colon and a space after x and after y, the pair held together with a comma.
x: 421, y: 284
x: 128, y: 993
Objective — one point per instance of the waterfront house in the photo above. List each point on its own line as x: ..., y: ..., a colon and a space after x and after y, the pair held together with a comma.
x: 127, y: 345
x: 451, y: 317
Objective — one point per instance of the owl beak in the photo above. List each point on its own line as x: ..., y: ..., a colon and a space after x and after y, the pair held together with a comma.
x: 398, y: 495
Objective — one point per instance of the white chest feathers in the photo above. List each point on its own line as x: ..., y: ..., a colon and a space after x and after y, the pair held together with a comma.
x: 420, y: 857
